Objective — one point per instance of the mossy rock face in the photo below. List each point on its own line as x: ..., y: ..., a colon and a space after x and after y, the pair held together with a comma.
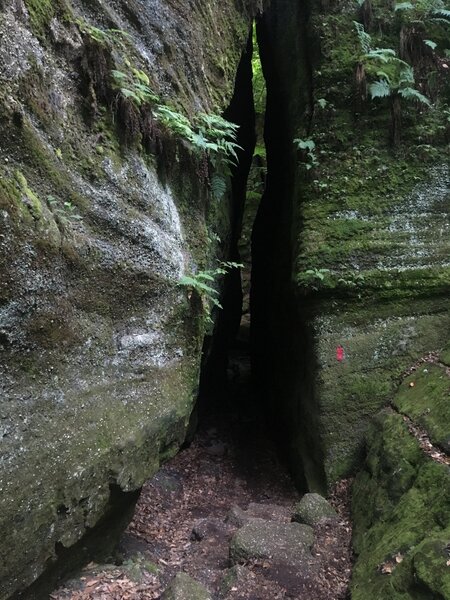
x: 431, y: 565
x: 401, y: 514
x: 355, y: 279
x: 425, y: 397
x: 100, y: 347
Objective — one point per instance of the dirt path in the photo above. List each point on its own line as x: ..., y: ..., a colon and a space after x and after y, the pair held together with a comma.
x: 189, y: 511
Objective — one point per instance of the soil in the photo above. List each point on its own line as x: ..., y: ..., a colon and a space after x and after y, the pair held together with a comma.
x: 187, y: 514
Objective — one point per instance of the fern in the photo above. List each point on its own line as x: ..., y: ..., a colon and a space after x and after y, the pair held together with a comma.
x: 197, y: 281
x: 430, y: 44
x: 442, y: 13
x: 218, y: 187
x: 403, y: 6
x: 134, y: 86
x: 385, y: 55
x: 412, y: 94
x: 175, y: 122
x: 365, y: 41
x: 379, y: 89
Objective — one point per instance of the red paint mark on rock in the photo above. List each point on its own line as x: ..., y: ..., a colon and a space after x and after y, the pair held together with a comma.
x: 340, y: 353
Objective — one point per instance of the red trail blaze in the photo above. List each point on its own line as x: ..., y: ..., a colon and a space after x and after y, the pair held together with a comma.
x: 340, y: 353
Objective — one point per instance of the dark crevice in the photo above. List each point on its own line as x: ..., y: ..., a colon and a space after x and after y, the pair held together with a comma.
x: 245, y: 375
x: 283, y: 359
x: 217, y: 348
x: 281, y: 363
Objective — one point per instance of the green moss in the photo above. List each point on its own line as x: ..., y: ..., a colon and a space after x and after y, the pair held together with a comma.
x: 445, y: 355
x: 34, y: 204
x: 348, y: 223
x: 380, y: 342
x: 431, y: 564
x: 40, y: 159
x: 424, y: 396
x: 10, y: 198
x: 401, y: 515
x: 42, y: 12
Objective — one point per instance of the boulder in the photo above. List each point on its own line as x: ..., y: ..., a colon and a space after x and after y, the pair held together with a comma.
x: 286, y: 543
x: 183, y: 587
x: 312, y: 509
x: 100, y: 345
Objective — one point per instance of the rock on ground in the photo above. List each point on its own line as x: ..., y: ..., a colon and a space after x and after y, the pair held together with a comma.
x: 312, y: 509
x: 184, y: 587
x: 286, y: 542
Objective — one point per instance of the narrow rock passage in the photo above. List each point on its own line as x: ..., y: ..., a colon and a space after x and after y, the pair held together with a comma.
x: 228, y: 477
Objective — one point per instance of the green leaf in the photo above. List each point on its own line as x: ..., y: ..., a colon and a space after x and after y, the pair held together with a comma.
x: 119, y: 75
x: 412, y: 94
x: 441, y: 12
x: 403, y: 6
x: 218, y: 187
x: 385, y: 55
x: 430, y: 43
x: 132, y: 95
x: 204, y: 275
x: 380, y: 89
x: 143, y: 77
x: 305, y: 144
x: 365, y: 41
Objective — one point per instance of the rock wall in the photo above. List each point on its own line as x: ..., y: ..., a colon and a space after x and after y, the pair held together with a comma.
x: 101, y: 214
x: 401, y: 506
x: 351, y: 274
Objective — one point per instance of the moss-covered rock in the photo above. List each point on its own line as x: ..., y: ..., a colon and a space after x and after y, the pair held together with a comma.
x: 425, y: 397
x: 184, y: 587
x: 356, y: 276
x: 401, y: 516
x: 312, y: 509
x: 100, y: 347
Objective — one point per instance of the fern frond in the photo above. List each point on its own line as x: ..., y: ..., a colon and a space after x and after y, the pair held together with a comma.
x: 406, y: 75
x: 403, y: 6
x: 442, y: 13
x: 218, y: 187
x: 410, y: 93
x: 307, y: 145
x: 365, y: 41
x: 385, y: 55
x: 126, y: 93
x: 380, y: 89
x: 430, y: 43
